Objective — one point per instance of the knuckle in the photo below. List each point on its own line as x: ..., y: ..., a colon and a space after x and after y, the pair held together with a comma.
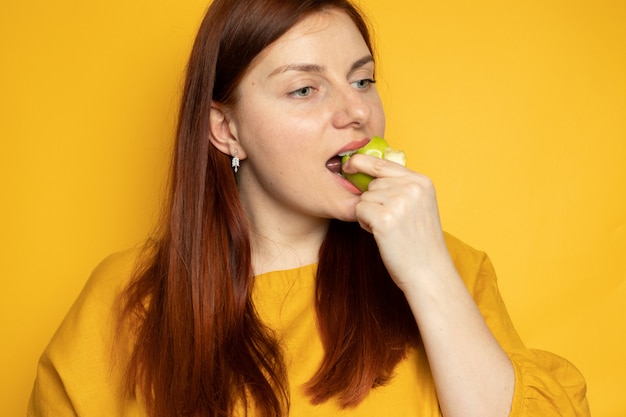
x: 386, y: 220
x: 378, y: 166
x: 422, y: 188
x: 413, y: 189
x: 428, y: 183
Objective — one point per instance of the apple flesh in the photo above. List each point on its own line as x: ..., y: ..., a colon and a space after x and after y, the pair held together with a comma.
x: 379, y: 148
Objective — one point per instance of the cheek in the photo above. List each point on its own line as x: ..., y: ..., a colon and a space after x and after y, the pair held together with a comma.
x: 378, y: 116
x: 276, y: 132
x: 256, y: 127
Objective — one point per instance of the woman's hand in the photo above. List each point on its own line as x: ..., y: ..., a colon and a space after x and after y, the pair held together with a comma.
x: 400, y: 210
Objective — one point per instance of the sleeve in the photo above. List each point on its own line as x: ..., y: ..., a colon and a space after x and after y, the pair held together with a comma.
x: 81, y: 371
x: 545, y: 384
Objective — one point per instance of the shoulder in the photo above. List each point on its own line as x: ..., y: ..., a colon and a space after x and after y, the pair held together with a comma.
x: 83, y: 366
x: 111, y: 276
x: 116, y: 269
x: 95, y: 308
x: 473, y: 265
x: 463, y: 254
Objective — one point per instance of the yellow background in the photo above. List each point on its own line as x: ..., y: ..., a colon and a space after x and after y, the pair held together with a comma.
x: 517, y: 110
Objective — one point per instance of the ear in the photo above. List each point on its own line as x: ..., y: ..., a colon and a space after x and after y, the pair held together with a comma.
x: 223, y: 132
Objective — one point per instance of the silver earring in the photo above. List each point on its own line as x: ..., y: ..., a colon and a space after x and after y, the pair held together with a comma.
x: 235, y: 162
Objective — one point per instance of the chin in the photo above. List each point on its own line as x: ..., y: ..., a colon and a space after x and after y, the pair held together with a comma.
x: 347, y: 213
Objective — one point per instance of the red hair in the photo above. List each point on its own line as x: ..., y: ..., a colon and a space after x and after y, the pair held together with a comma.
x: 200, y: 347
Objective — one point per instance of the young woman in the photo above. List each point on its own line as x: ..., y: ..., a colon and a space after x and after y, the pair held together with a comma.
x: 274, y: 287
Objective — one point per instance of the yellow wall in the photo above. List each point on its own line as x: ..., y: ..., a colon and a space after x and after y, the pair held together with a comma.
x: 517, y: 111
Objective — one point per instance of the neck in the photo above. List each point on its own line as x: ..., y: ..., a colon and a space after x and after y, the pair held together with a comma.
x: 282, y: 247
x: 282, y: 235
x: 281, y: 241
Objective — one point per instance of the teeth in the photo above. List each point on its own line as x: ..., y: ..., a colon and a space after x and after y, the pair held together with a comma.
x: 342, y: 154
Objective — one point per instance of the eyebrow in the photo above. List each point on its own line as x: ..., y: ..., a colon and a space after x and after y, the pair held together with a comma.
x: 297, y: 67
x: 318, y: 68
x: 361, y: 62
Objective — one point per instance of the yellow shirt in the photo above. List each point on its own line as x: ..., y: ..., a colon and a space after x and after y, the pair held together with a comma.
x: 79, y: 374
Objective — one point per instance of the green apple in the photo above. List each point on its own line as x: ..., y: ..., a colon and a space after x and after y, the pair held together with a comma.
x: 379, y: 148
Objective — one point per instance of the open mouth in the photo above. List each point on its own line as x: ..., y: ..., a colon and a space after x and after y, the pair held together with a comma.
x: 334, y: 165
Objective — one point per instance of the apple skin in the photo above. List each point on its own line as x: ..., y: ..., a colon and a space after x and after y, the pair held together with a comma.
x: 379, y: 148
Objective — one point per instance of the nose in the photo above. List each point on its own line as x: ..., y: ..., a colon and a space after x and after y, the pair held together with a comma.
x: 351, y: 108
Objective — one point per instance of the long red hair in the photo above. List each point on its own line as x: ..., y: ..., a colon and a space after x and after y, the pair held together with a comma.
x: 201, y: 349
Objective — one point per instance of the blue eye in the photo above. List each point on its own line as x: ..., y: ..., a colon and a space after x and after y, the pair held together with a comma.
x: 363, y: 84
x: 302, y: 92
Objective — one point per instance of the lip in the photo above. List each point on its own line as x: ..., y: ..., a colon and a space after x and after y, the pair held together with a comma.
x: 347, y: 185
x: 350, y: 147
x: 353, y: 146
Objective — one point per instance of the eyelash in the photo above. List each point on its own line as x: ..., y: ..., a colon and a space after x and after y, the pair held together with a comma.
x: 369, y: 82
x: 308, y: 89
x: 296, y: 93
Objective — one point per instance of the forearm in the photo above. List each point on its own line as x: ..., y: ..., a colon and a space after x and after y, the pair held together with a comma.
x: 473, y: 375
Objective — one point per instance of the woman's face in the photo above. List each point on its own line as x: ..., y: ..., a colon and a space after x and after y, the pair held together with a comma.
x: 306, y: 98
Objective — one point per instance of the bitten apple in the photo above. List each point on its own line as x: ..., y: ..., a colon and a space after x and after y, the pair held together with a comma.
x: 379, y: 148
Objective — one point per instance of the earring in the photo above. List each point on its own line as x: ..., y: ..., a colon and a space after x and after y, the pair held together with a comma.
x: 235, y: 162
